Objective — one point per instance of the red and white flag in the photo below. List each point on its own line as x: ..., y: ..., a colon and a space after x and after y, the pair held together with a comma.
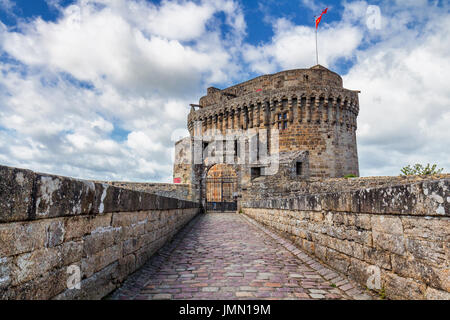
x: 320, y: 17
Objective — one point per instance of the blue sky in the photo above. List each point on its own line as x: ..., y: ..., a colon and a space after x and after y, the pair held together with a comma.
x: 100, y: 88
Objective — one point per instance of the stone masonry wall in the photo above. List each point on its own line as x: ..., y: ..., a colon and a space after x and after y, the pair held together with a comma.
x: 172, y: 190
x: 401, y: 230
x: 51, y: 225
x: 309, y: 107
x: 281, y: 185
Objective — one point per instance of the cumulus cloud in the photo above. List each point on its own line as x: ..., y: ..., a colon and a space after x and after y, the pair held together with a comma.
x: 96, y: 93
x: 293, y: 46
x: 404, y: 103
x: 6, y: 5
x: 103, y: 91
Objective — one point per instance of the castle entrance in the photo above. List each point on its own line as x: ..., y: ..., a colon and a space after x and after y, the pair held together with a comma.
x: 221, y: 188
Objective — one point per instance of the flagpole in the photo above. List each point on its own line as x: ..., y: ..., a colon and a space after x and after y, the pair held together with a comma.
x: 317, y: 53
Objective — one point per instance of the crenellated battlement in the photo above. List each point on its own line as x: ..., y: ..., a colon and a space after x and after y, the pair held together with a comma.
x: 316, y: 76
x: 310, y: 108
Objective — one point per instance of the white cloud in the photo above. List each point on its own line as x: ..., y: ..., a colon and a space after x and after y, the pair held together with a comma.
x: 293, y: 46
x: 404, y: 100
x: 7, y: 5
x: 142, y: 65
x: 402, y: 69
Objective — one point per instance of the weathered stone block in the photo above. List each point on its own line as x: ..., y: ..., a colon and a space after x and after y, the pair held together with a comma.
x: 33, y: 264
x: 363, y: 221
x: 320, y: 252
x: 95, y: 262
x: 329, y: 202
x: 386, y: 224
x: 430, y: 251
x: 61, y: 196
x: 127, y: 265
x: 434, y: 294
x: 43, y: 287
x: 76, y: 227
x: 6, y: 265
x: 55, y: 233
x: 131, y: 245
x: 95, y: 287
x: 145, y: 239
x: 99, y: 222
x: 390, y: 242
x: 397, y: 199
x: 378, y: 257
x: 420, y: 270
x: 402, y: 288
x: 16, y: 188
x: 98, y: 240
x: 359, y: 270
x: 362, y: 237
x: 21, y: 237
x: 434, y: 199
x: 71, y: 252
x: 432, y: 228
x: 144, y: 253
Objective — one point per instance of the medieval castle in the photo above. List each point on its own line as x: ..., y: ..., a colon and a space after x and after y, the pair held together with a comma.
x: 304, y: 117
x: 275, y: 149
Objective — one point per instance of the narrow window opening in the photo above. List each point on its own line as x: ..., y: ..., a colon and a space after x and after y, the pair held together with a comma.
x: 257, y: 146
x: 299, y: 168
x: 255, y: 172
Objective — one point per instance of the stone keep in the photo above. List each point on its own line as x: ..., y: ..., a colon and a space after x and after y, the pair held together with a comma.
x: 314, y: 113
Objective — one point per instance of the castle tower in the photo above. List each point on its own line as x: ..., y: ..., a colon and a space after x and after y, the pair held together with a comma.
x: 314, y: 114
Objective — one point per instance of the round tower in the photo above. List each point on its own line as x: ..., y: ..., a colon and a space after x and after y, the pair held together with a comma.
x: 311, y: 109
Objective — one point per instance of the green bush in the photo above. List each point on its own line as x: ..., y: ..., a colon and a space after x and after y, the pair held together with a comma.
x: 351, y: 175
x: 418, y: 169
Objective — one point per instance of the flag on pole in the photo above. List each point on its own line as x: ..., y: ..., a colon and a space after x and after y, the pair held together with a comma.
x: 320, y: 17
x: 317, y: 25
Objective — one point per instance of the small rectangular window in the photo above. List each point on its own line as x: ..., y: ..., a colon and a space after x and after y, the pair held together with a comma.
x: 285, y: 115
x: 299, y: 168
x: 285, y: 125
x: 255, y: 172
x: 235, y: 147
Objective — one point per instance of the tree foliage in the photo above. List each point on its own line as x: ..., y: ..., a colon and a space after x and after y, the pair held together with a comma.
x: 418, y: 169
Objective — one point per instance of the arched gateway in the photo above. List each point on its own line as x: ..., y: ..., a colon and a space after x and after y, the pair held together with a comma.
x: 296, y: 125
x: 221, y: 188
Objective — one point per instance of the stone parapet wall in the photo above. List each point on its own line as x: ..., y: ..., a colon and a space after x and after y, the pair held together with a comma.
x: 279, y: 186
x: 52, y: 226
x: 400, y: 232
x: 181, y: 191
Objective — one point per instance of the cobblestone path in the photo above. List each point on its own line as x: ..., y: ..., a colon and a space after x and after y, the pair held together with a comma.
x: 229, y: 256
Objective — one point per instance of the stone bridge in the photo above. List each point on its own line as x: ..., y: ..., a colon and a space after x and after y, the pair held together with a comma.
x: 62, y: 238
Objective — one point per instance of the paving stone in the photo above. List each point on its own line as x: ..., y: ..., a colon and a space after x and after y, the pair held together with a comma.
x: 228, y: 256
x: 346, y: 287
x: 162, y: 296
x: 317, y: 291
x: 244, y: 294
